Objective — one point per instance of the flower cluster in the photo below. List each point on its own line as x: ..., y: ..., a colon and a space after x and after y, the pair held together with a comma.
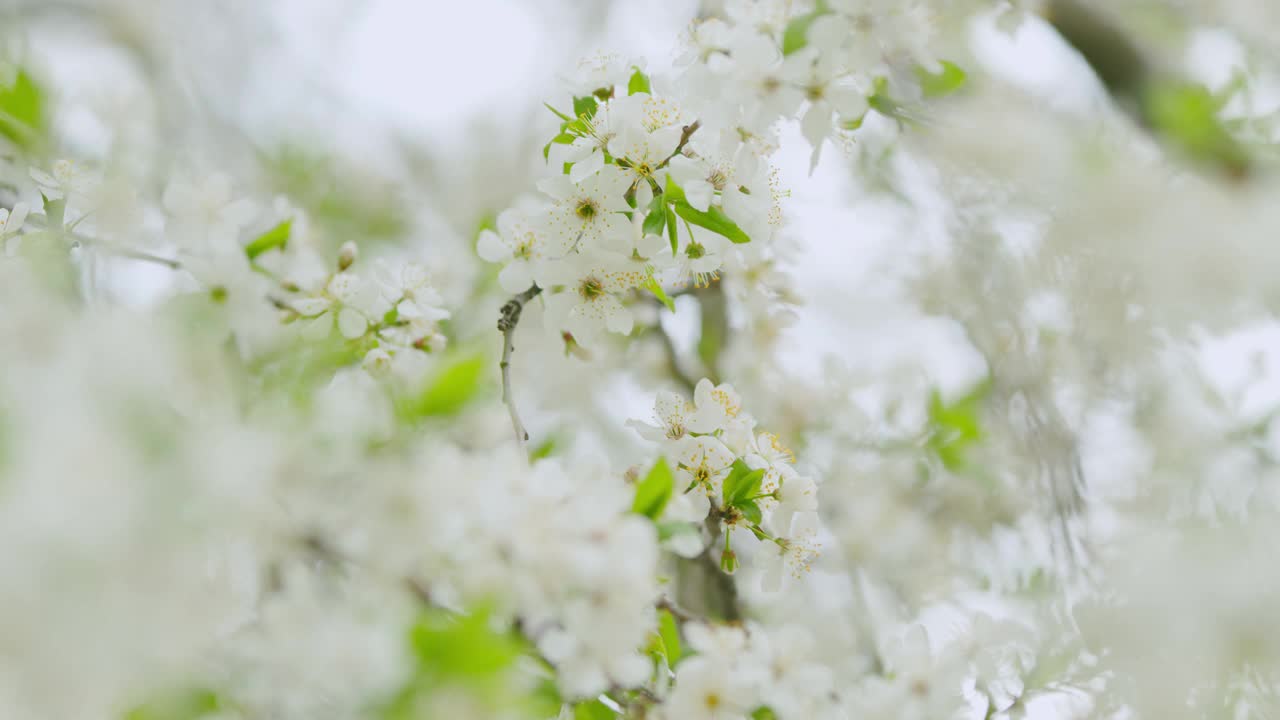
x: 748, y: 671
x: 734, y: 476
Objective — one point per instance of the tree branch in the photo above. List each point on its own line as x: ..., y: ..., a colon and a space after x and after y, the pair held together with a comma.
x: 507, y: 323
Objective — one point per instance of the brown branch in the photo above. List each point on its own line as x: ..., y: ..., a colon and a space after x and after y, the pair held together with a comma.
x: 507, y: 323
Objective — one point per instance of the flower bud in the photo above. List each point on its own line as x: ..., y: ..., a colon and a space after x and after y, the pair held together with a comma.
x: 729, y: 561
x: 377, y: 361
x: 347, y: 255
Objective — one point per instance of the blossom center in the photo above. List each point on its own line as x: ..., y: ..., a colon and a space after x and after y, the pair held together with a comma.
x: 525, y: 249
x: 586, y: 209
x: 591, y: 288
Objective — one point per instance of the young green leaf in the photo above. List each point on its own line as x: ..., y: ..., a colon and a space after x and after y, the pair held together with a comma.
x: 559, y: 114
x: 949, y: 80
x: 563, y: 138
x: 451, y: 389
x: 190, y: 704
x: 670, y: 634
x: 796, y: 34
x: 656, y: 219
x: 1186, y: 115
x: 955, y: 427
x: 276, y: 237
x: 462, y: 646
x: 751, y: 511
x: 714, y: 220
x: 652, y: 285
x: 639, y: 83
x: 585, y: 106
x: 742, y: 484
x: 654, y: 491
x: 23, y: 115
x: 672, y: 230
x: 668, y: 530
x: 593, y: 710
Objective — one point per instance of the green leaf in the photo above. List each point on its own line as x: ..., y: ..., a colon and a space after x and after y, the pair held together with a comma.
x: 452, y: 388
x: 742, y: 484
x: 563, y: 138
x: 585, y: 106
x: 670, y: 635
x: 656, y: 219
x: 1186, y: 115
x: 559, y: 114
x: 668, y: 530
x: 751, y: 511
x: 55, y: 211
x: 545, y: 450
x: 796, y: 34
x: 764, y: 712
x: 672, y: 230
x: 949, y: 80
x: 639, y: 83
x: 672, y: 192
x: 654, y: 491
x: 714, y: 220
x: 955, y: 427
x: 190, y: 704
x: 545, y: 700
x: 464, y: 647
x: 652, y: 285
x: 593, y: 710
x: 276, y: 237
x: 23, y: 115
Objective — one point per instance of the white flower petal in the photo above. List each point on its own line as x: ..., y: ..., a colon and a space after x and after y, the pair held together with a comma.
x: 310, y: 307
x: 587, y: 167
x: 516, y: 277
x: 351, y: 323
x: 491, y: 248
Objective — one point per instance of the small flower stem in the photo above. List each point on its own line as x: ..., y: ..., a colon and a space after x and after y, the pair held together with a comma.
x: 132, y: 254
x: 686, y: 132
x: 507, y: 323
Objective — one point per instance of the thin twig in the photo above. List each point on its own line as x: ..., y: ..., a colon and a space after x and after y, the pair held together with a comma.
x: 507, y: 326
x: 676, y: 611
x: 140, y: 255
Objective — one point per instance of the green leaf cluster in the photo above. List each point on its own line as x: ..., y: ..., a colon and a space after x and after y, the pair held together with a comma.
x: 955, y: 427
x: 741, y: 489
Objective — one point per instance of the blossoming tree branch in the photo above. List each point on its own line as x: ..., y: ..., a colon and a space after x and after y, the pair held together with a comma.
x: 303, y: 477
